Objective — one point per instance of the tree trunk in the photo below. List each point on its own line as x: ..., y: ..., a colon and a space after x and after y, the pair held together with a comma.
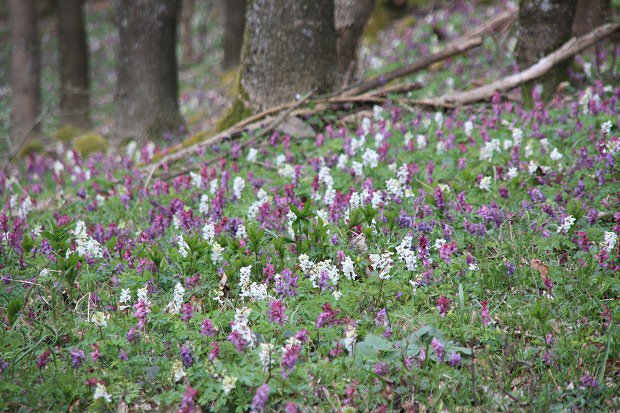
x: 74, y: 98
x: 544, y: 25
x: 25, y: 70
x: 147, y: 79
x: 187, y: 40
x: 233, y: 32
x: 350, y: 20
x: 590, y: 14
x: 289, y: 49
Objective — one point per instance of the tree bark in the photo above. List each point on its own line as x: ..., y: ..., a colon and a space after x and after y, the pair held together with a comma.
x: 187, y: 41
x: 233, y: 32
x: 290, y: 49
x: 590, y: 14
x: 350, y: 20
x: 74, y: 92
x: 544, y: 25
x: 147, y: 78
x: 25, y: 70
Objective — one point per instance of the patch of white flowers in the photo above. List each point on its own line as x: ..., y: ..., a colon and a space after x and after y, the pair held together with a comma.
x: 382, y: 264
x: 253, y: 291
x: 238, y: 186
x: 610, y: 239
x: 315, y: 271
x: 174, y: 306
x: 85, y: 244
x: 566, y: 224
x: 406, y: 254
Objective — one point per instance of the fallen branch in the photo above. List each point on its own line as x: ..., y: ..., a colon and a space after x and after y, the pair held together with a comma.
x: 544, y: 65
x: 468, y: 41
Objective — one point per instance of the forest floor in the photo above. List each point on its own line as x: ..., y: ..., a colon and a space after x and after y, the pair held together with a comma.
x: 396, y: 259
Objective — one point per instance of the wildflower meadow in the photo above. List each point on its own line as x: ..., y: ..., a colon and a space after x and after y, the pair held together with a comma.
x: 402, y: 260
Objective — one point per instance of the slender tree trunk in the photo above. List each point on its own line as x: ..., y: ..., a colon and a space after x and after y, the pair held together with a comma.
x: 187, y: 40
x: 25, y: 70
x: 74, y: 97
x: 544, y: 25
x: 233, y: 32
x: 147, y: 79
x: 290, y: 49
x: 350, y: 20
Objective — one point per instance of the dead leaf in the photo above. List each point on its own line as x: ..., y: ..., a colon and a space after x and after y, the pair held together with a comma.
x: 539, y: 266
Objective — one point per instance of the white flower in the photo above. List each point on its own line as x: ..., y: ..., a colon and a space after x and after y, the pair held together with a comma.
x: 517, y: 135
x: 216, y: 252
x: 403, y: 174
x: 420, y: 141
x: 439, y: 242
x: 507, y: 144
x: 473, y: 267
x: 370, y: 158
x: 366, y: 123
x: 566, y: 225
x: 183, y: 247
x: 86, y: 245
x: 252, y: 155
x: 213, y: 185
x: 343, y: 159
x: 100, y: 319
x: 406, y: 254
x: 265, y: 355
x: 354, y: 201
x: 337, y: 294
x: 379, y: 139
x: 486, y: 152
x: 228, y: 383
x: 610, y: 239
x: 438, y: 119
x: 241, y: 325
x: 606, y: 127
x: 177, y: 370
x: 325, y: 176
x: 196, y: 179
x: 528, y: 149
x: 469, y: 127
x: 357, y: 168
x: 174, y: 306
x: 555, y: 155
x: 287, y: 171
x: 407, y: 138
x: 58, y: 167
x: 377, y: 112
x: 204, y: 204
x: 238, y: 186
x: 330, y: 196
x: 348, y: 268
x: 350, y: 337
x: 382, y: 264
x: 101, y: 393
x: 394, y: 188
x: 280, y: 160
x: 125, y: 298
x: 208, y: 232
x: 485, y: 183
x: 143, y: 295
x: 513, y: 172
x: 304, y: 263
x: 376, y: 199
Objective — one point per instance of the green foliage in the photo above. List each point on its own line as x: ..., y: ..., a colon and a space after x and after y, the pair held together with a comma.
x: 90, y: 143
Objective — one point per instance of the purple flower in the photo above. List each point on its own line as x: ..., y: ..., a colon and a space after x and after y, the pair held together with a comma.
x: 95, y: 354
x: 327, y: 317
x: 237, y: 340
x: 438, y: 349
x: 186, y: 355
x: 588, y: 380
x: 277, y: 312
x: 77, y: 357
x: 381, y: 318
x: 510, y: 267
x: 123, y: 355
x: 187, y: 312
x: 207, y: 328
x: 3, y: 365
x: 443, y: 305
x: 484, y: 313
x: 289, y: 359
x: 380, y: 369
x: 43, y: 359
x: 291, y: 408
x: 455, y: 359
x: 133, y: 335
x: 260, y: 398
x: 187, y: 402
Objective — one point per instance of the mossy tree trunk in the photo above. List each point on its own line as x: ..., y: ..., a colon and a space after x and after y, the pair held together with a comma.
x: 544, y: 25
x: 25, y: 70
x: 350, y: 19
x: 233, y: 32
x: 147, y: 79
x: 289, y: 49
x: 74, y: 95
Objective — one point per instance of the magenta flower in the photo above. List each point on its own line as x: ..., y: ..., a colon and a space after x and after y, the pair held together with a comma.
x: 438, y: 349
x: 43, y: 359
x: 187, y: 402
x: 187, y: 312
x: 484, y: 313
x: 260, y: 398
x: 277, y: 312
x: 207, y: 328
x: 443, y: 305
x: 289, y: 359
x: 186, y: 355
